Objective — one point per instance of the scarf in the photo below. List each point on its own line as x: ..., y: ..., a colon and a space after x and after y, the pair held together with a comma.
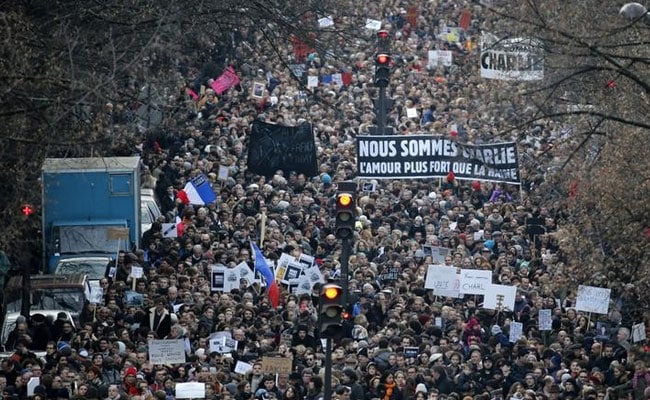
x: 646, y: 379
x: 389, y: 390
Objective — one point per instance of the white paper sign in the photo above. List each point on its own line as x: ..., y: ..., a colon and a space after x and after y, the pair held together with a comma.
x: 545, y: 320
x: 31, y: 385
x: 303, y: 285
x: 243, y: 367
x: 314, y: 275
x: 167, y: 351
x: 223, y: 173
x: 169, y: 230
x: 218, y: 278
x: 312, y: 81
x: 638, y: 332
x: 325, y: 22
x: 190, y: 390
x: 223, y: 344
x: 593, y: 299
x: 445, y: 281
x: 491, y: 299
x: 231, y: 279
x: 474, y: 281
x: 96, y: 294
x: 373, y: 24
x: 246, y: 273
x: 516, y: 330
x: 440, y: 57
x: 137, y: 272
x: 412, y: 112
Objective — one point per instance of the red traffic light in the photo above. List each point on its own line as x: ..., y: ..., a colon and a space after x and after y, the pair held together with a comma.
x: 382, y: 59
x: 382, y: 34
x: 27, y: 210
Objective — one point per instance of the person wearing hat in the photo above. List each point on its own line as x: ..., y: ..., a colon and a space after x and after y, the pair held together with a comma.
x: 487, y: 372
x: 130, y: 387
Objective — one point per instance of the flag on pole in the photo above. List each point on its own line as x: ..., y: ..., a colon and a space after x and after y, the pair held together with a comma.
x: 197, y: 191
x: 271, y: 286
x: 225, y: 81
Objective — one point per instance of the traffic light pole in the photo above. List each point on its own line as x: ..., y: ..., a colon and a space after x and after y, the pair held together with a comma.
x: 327, y: 387
x: 381, y: 112
x: 346, y: 252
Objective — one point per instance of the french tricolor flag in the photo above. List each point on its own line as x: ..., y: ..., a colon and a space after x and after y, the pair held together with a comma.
x: 198, y: 192
x: 271, y: 286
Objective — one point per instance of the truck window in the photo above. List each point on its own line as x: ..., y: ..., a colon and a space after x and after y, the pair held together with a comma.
x: 80, y: 239
x: 68, y: 299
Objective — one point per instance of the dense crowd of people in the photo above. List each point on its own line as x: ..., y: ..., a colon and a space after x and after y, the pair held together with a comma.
x: 401, y: 342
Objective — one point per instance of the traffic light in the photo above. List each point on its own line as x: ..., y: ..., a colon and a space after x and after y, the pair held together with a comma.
x: 330, y: 311
x: 27, y: 210
x: 382, y: 69
x: 383, y: 42
x: 382, y: 59
x: 345, y: 215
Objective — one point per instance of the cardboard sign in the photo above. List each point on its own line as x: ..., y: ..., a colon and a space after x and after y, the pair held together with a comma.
x: 117, y: 233
x: 276, y: 365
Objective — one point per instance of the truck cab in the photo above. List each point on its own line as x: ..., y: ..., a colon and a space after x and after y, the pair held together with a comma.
x: 49, y: 292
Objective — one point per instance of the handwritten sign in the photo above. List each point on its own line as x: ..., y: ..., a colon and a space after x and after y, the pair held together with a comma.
x: 276, y: 365
x: 545, y: 320
x: 593, y: 299
x: 516, y: 330
x: 638, y: 332
x: 137, y: 272
x: 507, y: 292
x: 474, y: 281
x: 444, y: 280
x: 167, y: 351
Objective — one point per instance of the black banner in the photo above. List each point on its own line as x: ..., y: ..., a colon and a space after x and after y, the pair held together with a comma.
x: 391, y: 157
x: 289, y: 148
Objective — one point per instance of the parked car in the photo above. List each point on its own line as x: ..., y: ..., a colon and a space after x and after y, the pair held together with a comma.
x: 149, y: 209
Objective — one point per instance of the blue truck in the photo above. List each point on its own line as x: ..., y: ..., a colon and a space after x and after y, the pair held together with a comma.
x: 91, y: 207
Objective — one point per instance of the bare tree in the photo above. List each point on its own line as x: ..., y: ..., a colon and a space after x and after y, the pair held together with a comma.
x: 596, y: 86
